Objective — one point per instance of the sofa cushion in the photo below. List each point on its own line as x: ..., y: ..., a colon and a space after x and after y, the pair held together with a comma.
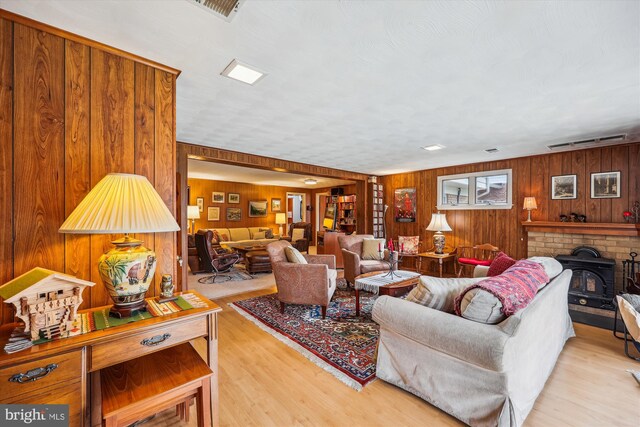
x: 253, y: 230
x: 239, y: 234
x: 439, y: 293
x: 294, y: 255
x: 371, y: 249
x: 259, y: 235
x: 297, y: 234
x: 332, y: 275
x: 499, y: 264
x: 370, y: 265
x: 473, y: 261
x: 481, y: 306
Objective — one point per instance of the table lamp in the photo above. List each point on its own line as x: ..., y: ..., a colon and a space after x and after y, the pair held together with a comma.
x: 529, y: 205
x: 281, y: 218
x: 193, y: 213
x: 438, y: 224
x: 123, y: 203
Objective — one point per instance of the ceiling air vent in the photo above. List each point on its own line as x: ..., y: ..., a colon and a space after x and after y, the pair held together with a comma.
x: 612, y: 139
x: 491, y: 150
x: 224, y: 9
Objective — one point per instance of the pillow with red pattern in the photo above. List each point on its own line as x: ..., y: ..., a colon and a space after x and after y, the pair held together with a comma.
x: 499, y: 264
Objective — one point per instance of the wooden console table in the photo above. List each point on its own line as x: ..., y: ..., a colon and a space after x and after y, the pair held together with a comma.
x: 328, y: 245
x: 70, y: 371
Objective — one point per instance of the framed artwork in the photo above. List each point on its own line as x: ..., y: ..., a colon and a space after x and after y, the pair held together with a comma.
x: 217, y: 197
x: 200, y: 203
x: 404, y: 201
x: 233, y: 198
x: 213, y: 213
x: 564, y: 187
x: 234, y: 214
x: 258, y: 208
x: 605, y: 185
x: 276, y: 205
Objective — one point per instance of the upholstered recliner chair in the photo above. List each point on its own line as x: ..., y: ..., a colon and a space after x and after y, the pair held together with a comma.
x: 212, y: 261
x: 354, y: 265
x: 307, y: 284
x: 300, y: 244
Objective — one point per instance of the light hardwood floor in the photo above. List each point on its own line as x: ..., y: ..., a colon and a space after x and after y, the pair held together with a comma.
x: 265, y: 383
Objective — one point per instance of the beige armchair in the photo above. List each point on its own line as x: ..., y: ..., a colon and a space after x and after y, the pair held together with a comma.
x: 307, y: 284
x: 351, y: 254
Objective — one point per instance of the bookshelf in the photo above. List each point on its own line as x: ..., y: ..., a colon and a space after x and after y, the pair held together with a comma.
x: 345, y: 212
x: 376, y: 195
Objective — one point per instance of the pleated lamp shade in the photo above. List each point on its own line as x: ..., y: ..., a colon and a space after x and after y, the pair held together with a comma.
x: 438, y: 223
x: 121, y: 203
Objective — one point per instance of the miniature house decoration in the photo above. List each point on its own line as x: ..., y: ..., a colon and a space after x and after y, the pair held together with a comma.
x: 46, y: 301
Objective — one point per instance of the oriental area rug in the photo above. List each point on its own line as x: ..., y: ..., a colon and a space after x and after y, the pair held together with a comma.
x: 342, y: 344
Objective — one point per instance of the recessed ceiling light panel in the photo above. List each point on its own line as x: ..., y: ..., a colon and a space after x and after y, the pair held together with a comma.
x: 434, y: 147
x: 310, y: 181
x: 242, y: 72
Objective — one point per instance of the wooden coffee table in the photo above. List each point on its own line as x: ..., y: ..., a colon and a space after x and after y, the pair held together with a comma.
x: 395, y: 287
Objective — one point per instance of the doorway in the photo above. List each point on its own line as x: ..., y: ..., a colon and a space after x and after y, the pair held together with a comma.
x: 296, y: 211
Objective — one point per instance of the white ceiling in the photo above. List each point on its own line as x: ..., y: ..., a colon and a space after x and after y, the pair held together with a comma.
x: 361, y: 85
x: 222, y: 172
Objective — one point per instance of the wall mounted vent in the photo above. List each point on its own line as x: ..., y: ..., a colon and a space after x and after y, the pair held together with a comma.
x: 605, y: 140
x: 223, y: 9
x: 491, y: 150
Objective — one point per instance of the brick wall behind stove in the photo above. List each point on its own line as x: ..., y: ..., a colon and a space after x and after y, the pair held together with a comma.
x: 614, y: 247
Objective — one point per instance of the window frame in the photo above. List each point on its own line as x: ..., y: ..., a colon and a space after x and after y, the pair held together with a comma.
x: 472, y: 205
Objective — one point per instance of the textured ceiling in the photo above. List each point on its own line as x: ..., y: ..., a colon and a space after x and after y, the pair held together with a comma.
x: 362, y: 85
x: 221, y: 172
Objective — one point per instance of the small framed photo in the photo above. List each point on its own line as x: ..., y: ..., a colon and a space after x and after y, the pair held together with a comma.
x: 217, y: 197
x: 233, y: 198
x: 200, y: 203
x: 234, y: 214
x: 258, y: 208
x: 605, y: 185
x: 213, y: 213
x: 564, y: 187
x: 276, y: 205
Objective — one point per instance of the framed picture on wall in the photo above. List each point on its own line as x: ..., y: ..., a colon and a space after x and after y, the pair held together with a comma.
x: 213, y: 213
x: 217, y: 197
x: 234, y: 214
x: 564, y: 187
x: 276, y: 205
x: 200, y: 203
x: 258, y: 208
x: 605, y: 185
x: 233, y: 198
x: 404, y: 202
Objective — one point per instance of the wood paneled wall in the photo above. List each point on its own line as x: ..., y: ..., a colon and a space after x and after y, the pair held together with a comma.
x: 204, y: 188
x: 531, y: 177
x: 71, y: 111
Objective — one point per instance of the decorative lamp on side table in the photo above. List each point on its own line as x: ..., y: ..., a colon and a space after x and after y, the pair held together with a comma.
x: 529, y: 205
x: 438, y: 224
x: 281, y: 219
x: 193, y: 213
x: 123, y: 203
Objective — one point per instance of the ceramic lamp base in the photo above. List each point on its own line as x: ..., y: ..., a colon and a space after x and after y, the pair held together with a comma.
x: 438, y: 243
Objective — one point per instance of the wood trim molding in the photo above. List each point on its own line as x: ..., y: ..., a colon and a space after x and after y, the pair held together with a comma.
x: 201, y: 152
x: 598, y: 228
x: 10, y: 16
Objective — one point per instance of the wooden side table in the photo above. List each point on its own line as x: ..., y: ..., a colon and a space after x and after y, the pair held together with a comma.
x: 433, y: 257
x: 394, y: 287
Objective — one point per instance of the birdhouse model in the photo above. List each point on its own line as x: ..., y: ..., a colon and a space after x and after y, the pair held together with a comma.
x: 46, y: 301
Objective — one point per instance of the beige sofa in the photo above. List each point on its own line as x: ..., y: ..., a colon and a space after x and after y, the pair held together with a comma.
x: 484, y: 375
x: 243, y: 236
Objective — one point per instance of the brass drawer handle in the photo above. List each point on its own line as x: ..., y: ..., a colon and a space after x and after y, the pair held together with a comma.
x: 150, y: 342
x: 33, y: 375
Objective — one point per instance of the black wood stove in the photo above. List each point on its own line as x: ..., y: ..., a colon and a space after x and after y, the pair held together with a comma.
x: 593, y: 280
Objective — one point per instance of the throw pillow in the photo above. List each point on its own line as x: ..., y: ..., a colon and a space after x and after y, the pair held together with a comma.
x: 499, y: 264
x: 297, y: 234
x: 551, y: 265
x: 408, y: 244
x: 259, y: 235
x: 438, y: 293
x: 371, y: 248
x: 481, y: 306
x: 294, y: 255
x: 268, y: 233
